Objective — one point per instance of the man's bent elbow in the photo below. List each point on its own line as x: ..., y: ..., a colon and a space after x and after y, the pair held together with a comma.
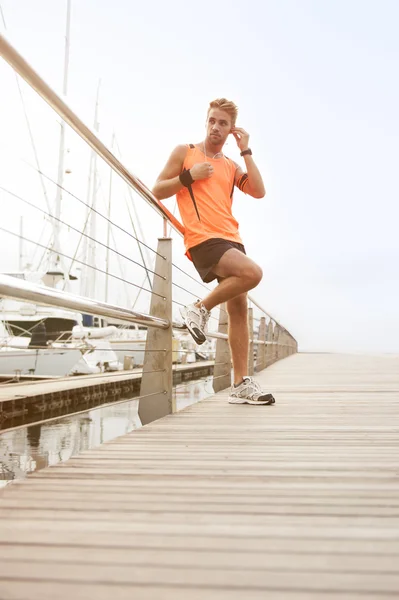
x: 156, y: 190
x: 259, y: 194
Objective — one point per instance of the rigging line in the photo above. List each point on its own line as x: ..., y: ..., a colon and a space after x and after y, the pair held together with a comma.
x: 121, y: 267
x: 139, y: 247
x: 89, y: 205
x: 40, y: 238
x: 81, y: 262
x: 28, y: 125
x: 93, y: 209
x: 74, y: 228
x: 46, y: 247
x: 36, y: 157
x: 82, y: 235
x: 133, y: 224
x: 108, y: 209
x: 130, y: 192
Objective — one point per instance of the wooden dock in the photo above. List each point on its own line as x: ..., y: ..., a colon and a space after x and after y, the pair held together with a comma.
x: 224, y: 502
x: 30, y: 402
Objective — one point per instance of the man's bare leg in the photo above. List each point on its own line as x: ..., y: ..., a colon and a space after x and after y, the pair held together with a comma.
x: 240, y: 274
x: 243, y: 391
x: 237, y: 309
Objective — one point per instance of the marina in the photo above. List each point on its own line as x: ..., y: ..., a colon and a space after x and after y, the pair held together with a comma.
x: 134, y: 461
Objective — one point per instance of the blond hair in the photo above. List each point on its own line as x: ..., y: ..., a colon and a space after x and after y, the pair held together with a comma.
x: 223, y: 104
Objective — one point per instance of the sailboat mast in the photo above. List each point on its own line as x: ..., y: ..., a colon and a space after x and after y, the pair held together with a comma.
x: 61, y: 151
x: 109, y: 224
x: 21, y: 243
x: 91, y: 273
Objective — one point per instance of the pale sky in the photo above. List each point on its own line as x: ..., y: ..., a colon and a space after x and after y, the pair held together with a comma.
x: 317, y: 88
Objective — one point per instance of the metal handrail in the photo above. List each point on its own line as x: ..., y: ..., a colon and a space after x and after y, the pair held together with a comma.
x: 17, y: 289
x: 23, y: 68
x: 266, y: 313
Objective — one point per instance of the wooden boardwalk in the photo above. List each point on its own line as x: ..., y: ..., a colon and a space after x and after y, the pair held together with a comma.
x: 296, y: 501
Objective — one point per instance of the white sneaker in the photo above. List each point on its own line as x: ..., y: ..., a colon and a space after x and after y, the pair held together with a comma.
x: 249, y: 392
x: 196, y: 321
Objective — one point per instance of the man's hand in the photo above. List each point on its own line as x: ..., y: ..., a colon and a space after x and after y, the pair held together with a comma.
x: 242, y: 138
x: 201, y: 171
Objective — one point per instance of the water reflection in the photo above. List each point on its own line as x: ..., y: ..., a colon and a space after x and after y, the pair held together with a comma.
x: 35, y: 447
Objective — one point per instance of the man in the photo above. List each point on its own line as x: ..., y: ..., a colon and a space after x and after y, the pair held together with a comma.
x: 203, y: 180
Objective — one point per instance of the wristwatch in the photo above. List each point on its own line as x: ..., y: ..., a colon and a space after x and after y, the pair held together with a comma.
x: 244, y: 152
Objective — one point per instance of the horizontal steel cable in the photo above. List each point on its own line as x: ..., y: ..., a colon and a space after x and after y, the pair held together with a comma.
x: 93, y: 209
x: 78, y: 231
x: 80, y: 262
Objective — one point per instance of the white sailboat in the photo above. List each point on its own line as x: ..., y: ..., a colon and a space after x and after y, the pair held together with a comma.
x: 26, y: 331
x: 99, y: 348
x: 39, y: 341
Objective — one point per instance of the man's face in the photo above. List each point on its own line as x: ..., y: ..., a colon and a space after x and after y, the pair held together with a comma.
x: 218, y: 126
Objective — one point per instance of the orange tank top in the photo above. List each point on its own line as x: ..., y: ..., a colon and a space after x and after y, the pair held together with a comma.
x: 206, y: 213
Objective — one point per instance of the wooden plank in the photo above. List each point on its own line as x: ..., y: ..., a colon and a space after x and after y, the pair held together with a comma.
x: 239, y: 579
x: 220, y: 501
x: 193, y: 559
x: 202, y: 541
x: 48, y: 590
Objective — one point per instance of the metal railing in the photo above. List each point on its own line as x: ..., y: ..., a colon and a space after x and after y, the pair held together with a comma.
x: 22, y: 67
x: 271, y: 343
x: 17, y: 289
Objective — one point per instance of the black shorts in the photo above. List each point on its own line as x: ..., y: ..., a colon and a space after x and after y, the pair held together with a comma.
x: 207, y: 255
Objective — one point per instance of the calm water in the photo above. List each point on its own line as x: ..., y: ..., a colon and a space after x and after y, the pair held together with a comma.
x: 35, y: 447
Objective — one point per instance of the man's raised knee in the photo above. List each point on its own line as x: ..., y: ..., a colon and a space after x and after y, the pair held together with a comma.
x: 254, y: 275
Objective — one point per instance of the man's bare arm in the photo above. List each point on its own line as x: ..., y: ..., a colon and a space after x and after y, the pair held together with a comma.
x: 168, y: 182
x: 253, y: 184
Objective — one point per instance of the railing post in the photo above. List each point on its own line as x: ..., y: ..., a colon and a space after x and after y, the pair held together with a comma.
x: 251, y: 341
x: 283, y: 341
x: 157, y: 368
x: 288, y: 341
x: 291, y: 344
x: 261, y: 350
x: 269, y: 347
x: 276, y: 346
x: 222, y: 369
